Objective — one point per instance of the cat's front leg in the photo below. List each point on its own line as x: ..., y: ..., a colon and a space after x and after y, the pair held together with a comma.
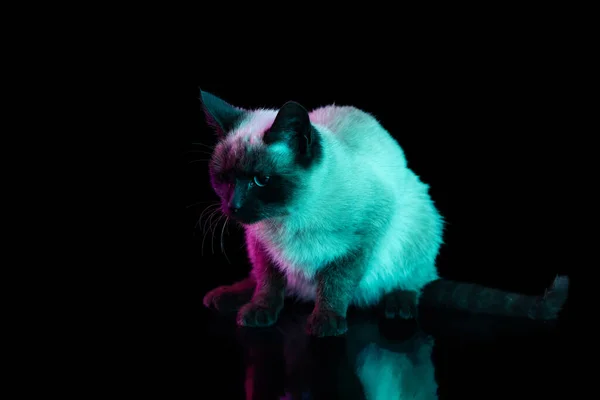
x: 336, y: 284
x: 267, y: 300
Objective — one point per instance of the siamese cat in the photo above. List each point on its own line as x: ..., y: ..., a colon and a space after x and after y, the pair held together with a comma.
x: 332, y: 214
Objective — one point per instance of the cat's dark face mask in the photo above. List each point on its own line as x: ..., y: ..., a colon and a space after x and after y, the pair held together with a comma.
x: 248, y: 195
x: 252, y: 181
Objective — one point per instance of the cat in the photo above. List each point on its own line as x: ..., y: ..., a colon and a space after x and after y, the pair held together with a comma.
x: 332, y: 214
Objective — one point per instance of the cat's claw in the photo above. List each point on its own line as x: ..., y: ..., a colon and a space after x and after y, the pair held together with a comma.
x: 257, y: 315
x: 326, y: 323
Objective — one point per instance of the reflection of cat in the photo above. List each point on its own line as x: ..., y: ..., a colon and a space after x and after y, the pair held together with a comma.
x: 333, y: 214
x: 388, y: 375
x: 362, y: 365
x: 391, y: 370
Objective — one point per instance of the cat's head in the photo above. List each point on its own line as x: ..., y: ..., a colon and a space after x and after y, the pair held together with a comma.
x: 263, y: 160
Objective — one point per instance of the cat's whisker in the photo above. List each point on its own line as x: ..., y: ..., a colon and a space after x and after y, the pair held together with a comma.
x: 199, y: 222
x: 209, y: 220
x: 205, y: 145
x: 198, y: 151
x: 201, y: 202
x: 213, y: 227
x: 207, y: 208
x: 222, y: 244
x: 204, y: 230
x: 203, y: 239
x: 201, y: 160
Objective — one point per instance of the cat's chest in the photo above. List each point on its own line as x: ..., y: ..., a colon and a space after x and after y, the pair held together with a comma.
x: 305, y: 250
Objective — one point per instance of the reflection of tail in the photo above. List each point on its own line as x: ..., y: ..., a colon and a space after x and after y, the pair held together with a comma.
x: 478, y: 299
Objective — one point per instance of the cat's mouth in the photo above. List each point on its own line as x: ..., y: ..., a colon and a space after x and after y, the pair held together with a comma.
x: 243, y: 216
x: 246, y: 220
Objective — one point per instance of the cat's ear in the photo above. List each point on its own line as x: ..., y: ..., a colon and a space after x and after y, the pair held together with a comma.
x: 220, y: 115
x: 292, y: 126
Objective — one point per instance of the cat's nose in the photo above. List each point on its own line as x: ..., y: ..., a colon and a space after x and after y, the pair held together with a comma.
x: 235, y: 202
x: 233, y: 207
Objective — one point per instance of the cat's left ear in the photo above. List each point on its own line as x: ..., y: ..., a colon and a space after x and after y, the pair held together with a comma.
x: 292, y: 126
x: 220, y: 115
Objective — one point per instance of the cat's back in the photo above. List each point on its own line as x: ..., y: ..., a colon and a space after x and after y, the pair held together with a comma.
x: 359, y: 132
x: 346, y: 122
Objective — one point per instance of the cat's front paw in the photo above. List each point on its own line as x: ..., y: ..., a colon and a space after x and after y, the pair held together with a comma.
x: 228, y: 299
x: 326, y: 323
x: 257, y: 315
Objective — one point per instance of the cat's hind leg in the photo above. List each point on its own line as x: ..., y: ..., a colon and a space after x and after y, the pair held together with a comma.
x: 400, y: 304
x: 229, y: 299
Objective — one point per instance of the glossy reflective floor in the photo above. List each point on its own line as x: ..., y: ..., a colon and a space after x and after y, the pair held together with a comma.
x: 442, y: 356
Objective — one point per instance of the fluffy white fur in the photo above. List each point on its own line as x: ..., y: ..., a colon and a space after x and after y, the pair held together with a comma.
x: 362, y: 195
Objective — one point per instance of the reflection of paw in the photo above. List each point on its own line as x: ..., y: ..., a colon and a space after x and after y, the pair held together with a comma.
x: 226, y: 299
x: 256, y: 315
x: 326, y: 323
x: 401, y: 304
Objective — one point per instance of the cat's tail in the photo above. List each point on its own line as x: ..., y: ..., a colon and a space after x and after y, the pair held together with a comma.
x: 477, y: 299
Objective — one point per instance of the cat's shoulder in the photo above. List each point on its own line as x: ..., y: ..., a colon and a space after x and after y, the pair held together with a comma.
x: 337, y: 117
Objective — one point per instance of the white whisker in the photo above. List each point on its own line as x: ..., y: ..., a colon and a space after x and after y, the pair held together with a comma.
x: 204, y: 230
x: 205, y: 145
x: 212, y: 240
x: 222, y: 245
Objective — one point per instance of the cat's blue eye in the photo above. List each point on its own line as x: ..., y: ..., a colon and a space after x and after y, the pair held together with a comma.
x: 261, y: 180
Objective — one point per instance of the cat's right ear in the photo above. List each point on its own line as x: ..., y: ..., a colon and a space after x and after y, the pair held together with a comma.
x: 220, y: 115
x: 292, y: 126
